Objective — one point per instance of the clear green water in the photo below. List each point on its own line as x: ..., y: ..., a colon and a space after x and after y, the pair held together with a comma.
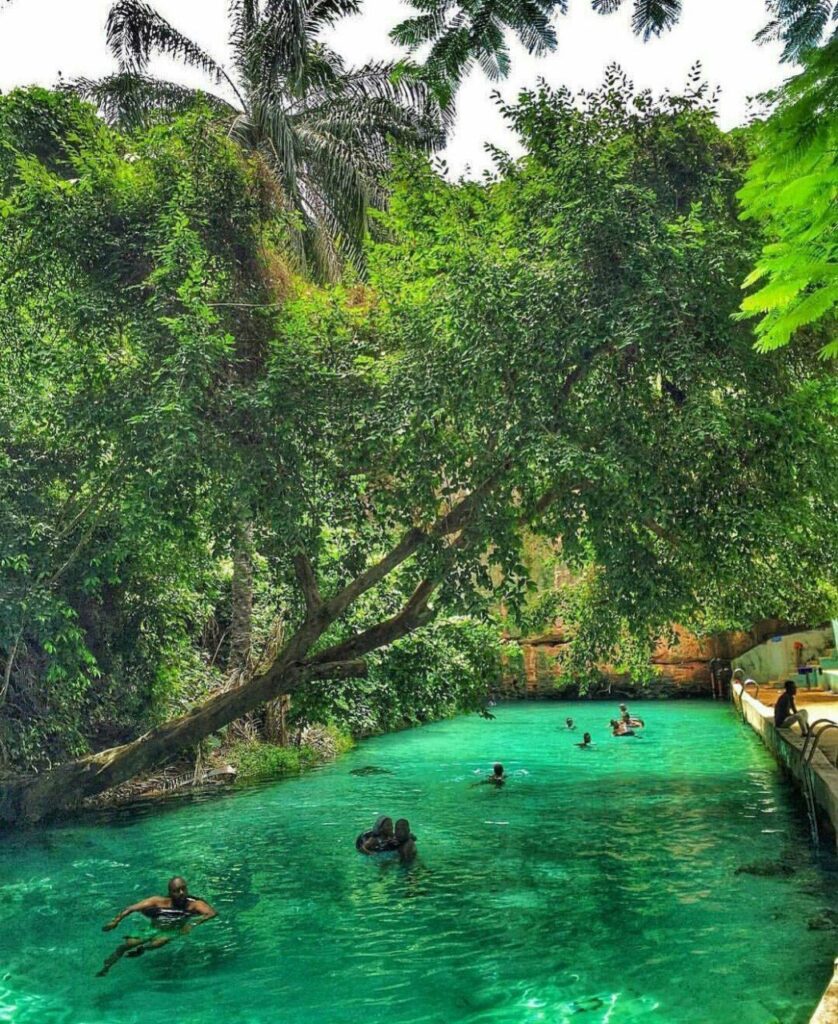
x: 597, y: 886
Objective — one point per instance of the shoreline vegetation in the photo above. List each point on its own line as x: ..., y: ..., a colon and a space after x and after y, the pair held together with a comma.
x: 231, y: 481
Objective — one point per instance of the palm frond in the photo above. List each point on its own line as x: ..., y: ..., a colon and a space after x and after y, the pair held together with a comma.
x: 475, y: 30
x: 653, y: 17
x: 135, y: 31
x: 801, y: 24
x: 131, y: 100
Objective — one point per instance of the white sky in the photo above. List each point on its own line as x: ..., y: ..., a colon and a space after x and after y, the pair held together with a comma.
x: 39, y: 38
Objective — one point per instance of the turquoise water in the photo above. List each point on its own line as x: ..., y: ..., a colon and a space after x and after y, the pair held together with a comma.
x: 596, y: 886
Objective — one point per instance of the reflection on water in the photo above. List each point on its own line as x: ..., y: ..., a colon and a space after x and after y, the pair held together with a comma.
x: 595, y: 886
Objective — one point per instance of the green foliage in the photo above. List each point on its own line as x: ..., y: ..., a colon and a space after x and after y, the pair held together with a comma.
x: 555, y: 339
x: 452, y: 666
x: 321, y: 128
x: 114, y: 254
x: 792, y: 191
x: 255, y: 761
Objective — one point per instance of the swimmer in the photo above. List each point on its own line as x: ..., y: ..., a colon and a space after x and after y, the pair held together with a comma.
x: 405, y: 841
x: 569, y: 723
x: 627, y: 719
x: 620, y: 728
x: 497, y: 778
x: 178, y: 908
x: 586, y: 743
x: 378, y: 838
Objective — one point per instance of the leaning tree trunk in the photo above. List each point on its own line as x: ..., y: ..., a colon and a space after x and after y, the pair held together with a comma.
x: 36, y: 797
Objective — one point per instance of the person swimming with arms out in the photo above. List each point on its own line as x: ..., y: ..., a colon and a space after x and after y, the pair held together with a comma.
x: 497, y: 778
x: 176, y: 909
x: 587, y: 742
x: 377, y: 839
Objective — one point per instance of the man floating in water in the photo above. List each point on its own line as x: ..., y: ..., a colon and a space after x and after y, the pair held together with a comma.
x: 178, y: 908
x: 497, y: 778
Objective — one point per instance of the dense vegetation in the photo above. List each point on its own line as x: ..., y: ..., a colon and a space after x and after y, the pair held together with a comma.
x: 226, y: 483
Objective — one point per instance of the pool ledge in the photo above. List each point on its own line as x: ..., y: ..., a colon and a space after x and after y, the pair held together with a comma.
x: 827, y: 1011
x: 787, y: 747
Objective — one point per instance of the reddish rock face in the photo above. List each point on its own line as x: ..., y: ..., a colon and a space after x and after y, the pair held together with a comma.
x: 684, y: 663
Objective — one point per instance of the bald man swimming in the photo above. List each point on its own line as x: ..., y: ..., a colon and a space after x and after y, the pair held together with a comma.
x: 176, y: 909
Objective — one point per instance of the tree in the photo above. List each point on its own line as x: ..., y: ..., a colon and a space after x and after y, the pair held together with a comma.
x: 459, y: 35
x: 550, y: 348
x: 791, y: 190
x: 323, y: 129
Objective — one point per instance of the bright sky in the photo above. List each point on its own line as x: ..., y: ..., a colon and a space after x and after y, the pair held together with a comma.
x: 39, y: 38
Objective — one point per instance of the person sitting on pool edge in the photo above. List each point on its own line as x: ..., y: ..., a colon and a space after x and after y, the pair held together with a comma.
x: 178, y: 908
x: 378, y: 838
x: 497, y: 778
x: 586, y: 743
x: 785, y: 710
x: 405, y: 841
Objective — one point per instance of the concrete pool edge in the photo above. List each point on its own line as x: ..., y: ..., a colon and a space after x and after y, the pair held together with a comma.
x: 827, y: 1008
x: 787, y: 748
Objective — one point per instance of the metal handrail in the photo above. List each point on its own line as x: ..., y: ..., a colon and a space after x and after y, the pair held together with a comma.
x: 738, y: 694
x: 815, y: 736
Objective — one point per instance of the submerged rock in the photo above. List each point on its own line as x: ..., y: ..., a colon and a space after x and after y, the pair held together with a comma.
x: 825, y: 921
x: 766, y: 868
x: 370, y: 769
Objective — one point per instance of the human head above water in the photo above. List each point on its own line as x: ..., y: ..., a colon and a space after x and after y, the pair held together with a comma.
x: 383, y: 827
x: 586, y: 738
x: 402, y: 830
x: 178, y: 890
x: 498, y: 769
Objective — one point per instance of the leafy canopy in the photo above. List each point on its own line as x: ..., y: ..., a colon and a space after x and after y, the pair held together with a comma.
x: 323, y: 129
x: 791, y: 189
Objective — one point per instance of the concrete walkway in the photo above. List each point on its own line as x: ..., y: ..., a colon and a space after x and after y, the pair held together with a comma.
x: 787, y: 747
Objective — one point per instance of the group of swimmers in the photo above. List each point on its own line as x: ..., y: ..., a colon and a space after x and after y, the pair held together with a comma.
x: 178, y: 911
x: 625, y: 725
x: 384, y: 837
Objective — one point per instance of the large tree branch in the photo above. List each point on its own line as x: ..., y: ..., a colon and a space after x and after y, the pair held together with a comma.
x: 308, y: 582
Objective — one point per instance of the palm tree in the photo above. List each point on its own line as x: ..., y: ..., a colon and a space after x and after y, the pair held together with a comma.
x: 458, y: 35
x: 325, y: 130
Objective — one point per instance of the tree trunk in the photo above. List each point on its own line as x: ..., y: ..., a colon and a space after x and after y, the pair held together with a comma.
x: 36, y: 797
x: 276, y: 720
x: 241, y: 619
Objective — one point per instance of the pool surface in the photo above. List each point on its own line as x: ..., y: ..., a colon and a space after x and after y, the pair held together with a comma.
x: 596, y: 886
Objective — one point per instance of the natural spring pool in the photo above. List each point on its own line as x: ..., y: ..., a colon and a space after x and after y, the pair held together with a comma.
x: 596, y: 886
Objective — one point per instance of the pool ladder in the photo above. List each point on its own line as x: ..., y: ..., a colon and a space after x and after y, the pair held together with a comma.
x: 810, y: 745
x: 740, y: 692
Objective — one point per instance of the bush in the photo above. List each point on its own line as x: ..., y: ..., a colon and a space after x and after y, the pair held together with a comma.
x: 257, y: 760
